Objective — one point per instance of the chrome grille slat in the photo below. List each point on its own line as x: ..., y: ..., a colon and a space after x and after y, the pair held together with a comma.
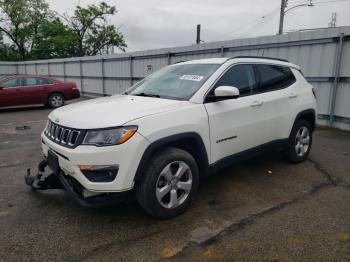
x: 65, y: 136
x: 57, y: 133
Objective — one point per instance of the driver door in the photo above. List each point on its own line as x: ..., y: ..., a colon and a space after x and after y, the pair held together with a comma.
x: 236, y: 124
x: 11, y: 93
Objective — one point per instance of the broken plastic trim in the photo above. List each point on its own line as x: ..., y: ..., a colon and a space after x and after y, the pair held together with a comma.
x: 39, y: 182
x: 58, y: 180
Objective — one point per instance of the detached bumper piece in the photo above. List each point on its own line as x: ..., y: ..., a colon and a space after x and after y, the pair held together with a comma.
x: 39, y: 182
x: 58, y: 180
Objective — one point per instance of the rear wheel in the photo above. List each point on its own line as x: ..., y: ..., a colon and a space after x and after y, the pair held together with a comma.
x: 56, y: 100
x: 300, y: 142
x: 169, y: 183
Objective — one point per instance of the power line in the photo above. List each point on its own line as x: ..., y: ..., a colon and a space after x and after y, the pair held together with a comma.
x: 266, y: 18
x: 325, y: 2
x: 298, y: 1
x: 259, y: 24
x: 315, y: 2
x: 251, y: 23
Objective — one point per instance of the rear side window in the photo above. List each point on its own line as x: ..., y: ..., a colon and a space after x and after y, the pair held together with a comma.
x: 274, y: 77
x: 240, y: 76
x: 33, y: 81
x: 29, y: 81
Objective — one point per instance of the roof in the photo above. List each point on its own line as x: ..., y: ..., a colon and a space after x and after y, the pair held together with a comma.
x: 246, y: 59
x: 25, y: 75
x: 219, y: 60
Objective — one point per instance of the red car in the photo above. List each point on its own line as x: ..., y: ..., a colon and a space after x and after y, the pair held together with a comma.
x: 17, y: 90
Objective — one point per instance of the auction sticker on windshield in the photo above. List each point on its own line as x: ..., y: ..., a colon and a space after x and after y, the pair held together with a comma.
x: 191, y: 77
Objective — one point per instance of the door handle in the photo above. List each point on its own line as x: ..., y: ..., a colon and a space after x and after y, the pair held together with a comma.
x: 256, y: 103
x: 293, y: 95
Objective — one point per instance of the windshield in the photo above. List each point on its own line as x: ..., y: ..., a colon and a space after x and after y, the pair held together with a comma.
x: 178, y: 82
x: 4, y: 76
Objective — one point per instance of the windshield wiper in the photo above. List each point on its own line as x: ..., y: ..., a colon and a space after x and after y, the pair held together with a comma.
x: 145, y: 94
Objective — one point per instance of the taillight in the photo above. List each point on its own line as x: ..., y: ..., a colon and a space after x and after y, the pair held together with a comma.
x: 314, y: 91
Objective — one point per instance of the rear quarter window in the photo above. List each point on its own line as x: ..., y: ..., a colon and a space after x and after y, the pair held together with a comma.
x: 44, y: 81
x: 273, y: 77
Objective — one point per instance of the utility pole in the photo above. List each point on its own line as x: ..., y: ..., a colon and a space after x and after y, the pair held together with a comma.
x: 284, y: 4
x: 282, y: 12
x: 333, y: 22
x: 198, y: 39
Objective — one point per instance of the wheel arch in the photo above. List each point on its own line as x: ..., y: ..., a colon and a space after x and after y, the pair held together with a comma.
x: 308, y: 115
x: 55, y: 92
x: 189, y: 141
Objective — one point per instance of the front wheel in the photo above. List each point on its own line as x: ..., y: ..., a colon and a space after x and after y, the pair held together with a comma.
x: 300, y: 142
x: 56, y: 100
x: 169, y: 183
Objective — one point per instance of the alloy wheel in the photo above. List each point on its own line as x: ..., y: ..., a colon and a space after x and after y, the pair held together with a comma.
x: 302, y: 141
x: 56, y: 101
x: 174, y: 184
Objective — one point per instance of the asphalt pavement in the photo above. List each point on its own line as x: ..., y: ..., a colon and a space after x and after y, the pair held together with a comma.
x: 263, y: 209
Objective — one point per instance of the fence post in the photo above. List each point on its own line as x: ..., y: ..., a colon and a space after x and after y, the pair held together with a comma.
x: 48, y: 69
x: 336, y: 78
x: 36, y: 68
x: 131, y: 72
x: 103, y: 77
x: 17, y: 69
x: 169, y: 58
x: 81, y: 76
x: 64, y: 70
x: 222, y: 51
x: 25, y: 68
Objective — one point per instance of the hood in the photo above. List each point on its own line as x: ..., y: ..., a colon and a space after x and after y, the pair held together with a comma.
x: 110, y: 111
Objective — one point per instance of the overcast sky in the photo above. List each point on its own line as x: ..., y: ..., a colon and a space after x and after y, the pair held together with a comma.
x: 165, y: 23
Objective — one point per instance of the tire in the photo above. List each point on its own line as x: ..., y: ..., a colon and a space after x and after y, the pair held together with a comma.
x: 172, y: 173
x: 300, y: 141
x: 56, y: 100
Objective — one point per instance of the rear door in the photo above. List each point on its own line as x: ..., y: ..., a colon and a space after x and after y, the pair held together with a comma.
x: 278, y: 95
x: 35, y: 90
x: 11, y: 93
x: 236, y: 124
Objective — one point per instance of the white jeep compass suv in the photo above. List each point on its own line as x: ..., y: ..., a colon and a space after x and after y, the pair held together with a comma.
x: 168, y: 131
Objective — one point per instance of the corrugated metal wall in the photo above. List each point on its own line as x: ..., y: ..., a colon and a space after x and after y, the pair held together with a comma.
x: 323, y: 54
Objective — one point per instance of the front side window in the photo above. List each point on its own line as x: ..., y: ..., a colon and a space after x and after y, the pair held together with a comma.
x: 179, y: 82
x: 274, y: 77
x: 15, y: 82
x: 240, y: 76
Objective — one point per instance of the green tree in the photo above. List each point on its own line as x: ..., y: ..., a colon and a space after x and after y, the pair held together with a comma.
x: 94, y: 34
x: 20, y: 21
x: 54, y: 40
x: 40, y: 15
x: 6, y: 51
x: 33, y: 31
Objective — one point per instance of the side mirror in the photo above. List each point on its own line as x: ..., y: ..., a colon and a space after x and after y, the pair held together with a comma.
x: 223, y: 93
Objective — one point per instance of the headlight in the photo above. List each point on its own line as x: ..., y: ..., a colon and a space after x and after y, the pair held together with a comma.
x: 110, y: 136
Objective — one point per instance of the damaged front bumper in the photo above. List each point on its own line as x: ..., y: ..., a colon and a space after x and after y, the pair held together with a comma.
x: 58, y: 180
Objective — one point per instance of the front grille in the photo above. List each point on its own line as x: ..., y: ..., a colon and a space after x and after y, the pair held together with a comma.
x: 64, y: 136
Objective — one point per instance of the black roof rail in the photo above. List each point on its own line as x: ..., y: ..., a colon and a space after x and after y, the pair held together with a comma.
x: 261, y: 57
